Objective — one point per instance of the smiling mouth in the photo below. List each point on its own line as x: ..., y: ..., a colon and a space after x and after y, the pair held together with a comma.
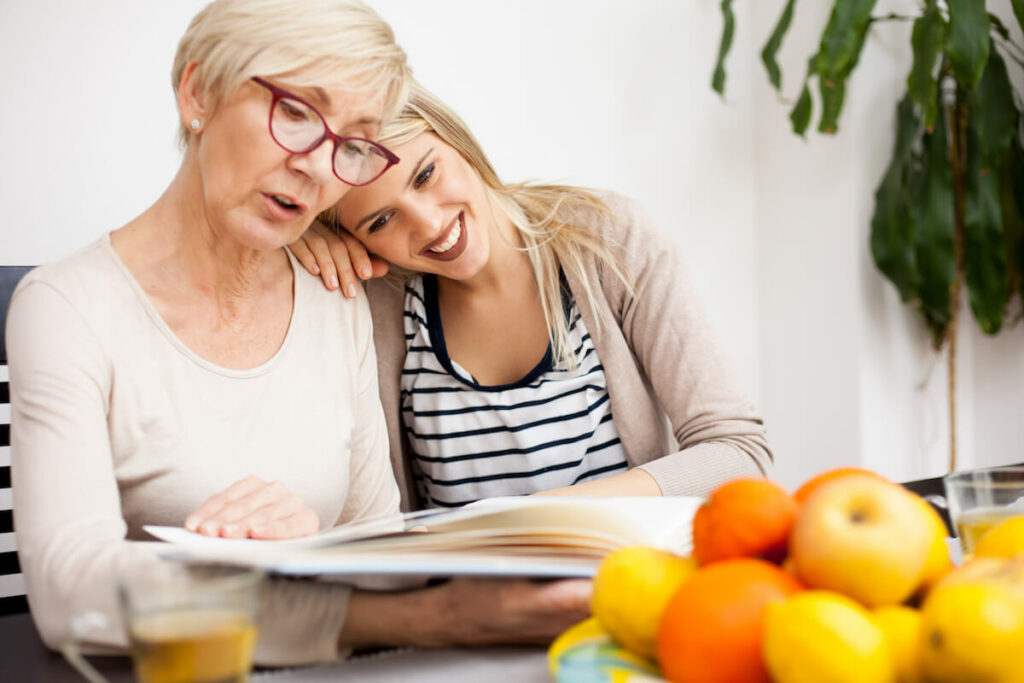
x: 451, y: 244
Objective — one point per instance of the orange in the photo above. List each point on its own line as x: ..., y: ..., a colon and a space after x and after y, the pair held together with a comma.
x: 711, y: 630
x: 744, y: 518
x: 815, y: 482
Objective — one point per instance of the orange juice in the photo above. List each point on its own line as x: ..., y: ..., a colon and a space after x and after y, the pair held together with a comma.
x: 193, y: 646
x: 973, y: 524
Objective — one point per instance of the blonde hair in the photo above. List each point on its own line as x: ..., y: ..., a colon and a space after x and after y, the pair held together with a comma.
x: 551, y: 220
x: 328, y: 43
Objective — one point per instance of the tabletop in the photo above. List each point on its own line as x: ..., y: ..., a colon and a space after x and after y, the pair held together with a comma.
x: 25, y: 659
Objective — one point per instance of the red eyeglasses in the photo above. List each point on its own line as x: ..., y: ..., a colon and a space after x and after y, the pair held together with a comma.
x: 298, y: 127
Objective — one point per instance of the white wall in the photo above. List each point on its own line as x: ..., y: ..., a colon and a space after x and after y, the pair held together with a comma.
x: 603, y: 93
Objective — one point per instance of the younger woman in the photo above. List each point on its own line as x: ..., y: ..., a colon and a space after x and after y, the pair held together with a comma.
x: 539, y: 336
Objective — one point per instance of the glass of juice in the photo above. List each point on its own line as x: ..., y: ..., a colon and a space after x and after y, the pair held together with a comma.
x: 191, y: 623
x: 980, y: 499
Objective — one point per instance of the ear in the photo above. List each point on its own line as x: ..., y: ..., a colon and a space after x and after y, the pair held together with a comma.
x: 191, y: 95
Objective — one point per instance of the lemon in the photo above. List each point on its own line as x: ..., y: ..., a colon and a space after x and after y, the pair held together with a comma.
x: 972, y: 626
x: 902, y: 628
x: 631, y: 590
x: 1005, y: 539
x: 817, y: 636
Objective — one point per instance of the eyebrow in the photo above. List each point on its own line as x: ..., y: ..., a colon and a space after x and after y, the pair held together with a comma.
x: 412, y: 175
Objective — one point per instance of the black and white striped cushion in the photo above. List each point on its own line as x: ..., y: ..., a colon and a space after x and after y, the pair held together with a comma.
x: 12, y: 584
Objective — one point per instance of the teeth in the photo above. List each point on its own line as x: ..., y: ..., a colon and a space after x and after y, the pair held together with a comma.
x: 284, y: 201
x: 453, y: 237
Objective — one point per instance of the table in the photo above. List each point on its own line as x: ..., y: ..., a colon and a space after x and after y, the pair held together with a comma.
x: 24, y: 659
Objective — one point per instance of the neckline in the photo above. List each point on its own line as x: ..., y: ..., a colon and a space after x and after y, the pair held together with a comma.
x: 437, y: 342
x: 165, y: 329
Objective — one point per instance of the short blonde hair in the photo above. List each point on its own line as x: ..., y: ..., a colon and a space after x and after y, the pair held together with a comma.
x: 553, y: 221
x: 328, y: 43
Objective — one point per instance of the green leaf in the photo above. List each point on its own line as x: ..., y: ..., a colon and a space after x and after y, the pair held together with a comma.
x: 968, y: 44
x: 892, y: 230
x: 932, y: 212
x: 801, y: 114
x: 771, y: 48
x: 728, y: 29
x: 927, y: 39
x: 832, y: 95
x: 843, y: 37
x: 1018, y: 10
x: 1012, y: 204
x: 998, y: 26
x: 984, y: 245
x: 993, y: 111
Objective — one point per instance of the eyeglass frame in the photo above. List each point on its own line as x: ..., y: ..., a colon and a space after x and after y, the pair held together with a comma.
x: 278, y: 93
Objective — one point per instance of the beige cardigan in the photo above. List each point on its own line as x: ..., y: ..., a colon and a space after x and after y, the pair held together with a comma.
x: 660, y: 356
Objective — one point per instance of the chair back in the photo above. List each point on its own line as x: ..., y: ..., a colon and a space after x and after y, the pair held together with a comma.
x: 12, y: 584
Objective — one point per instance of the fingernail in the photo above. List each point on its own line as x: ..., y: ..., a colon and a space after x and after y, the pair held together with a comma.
x: 315, y: 269
x: 256, y: 531
x: 350, y: 291
x: 208, y: 529
x: 366, y: 272
x: 229, y: 529
x: 334, y: 281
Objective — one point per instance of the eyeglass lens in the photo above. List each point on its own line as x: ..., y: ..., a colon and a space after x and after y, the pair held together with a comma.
x: 298, y: 127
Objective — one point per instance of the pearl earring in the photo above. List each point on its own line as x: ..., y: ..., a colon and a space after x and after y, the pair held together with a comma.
x: 194, y: 124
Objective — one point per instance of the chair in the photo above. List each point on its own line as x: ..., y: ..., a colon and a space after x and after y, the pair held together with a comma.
x: 12, y: 584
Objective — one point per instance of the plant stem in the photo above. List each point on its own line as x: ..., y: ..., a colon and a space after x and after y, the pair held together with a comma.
x: 958, y: 163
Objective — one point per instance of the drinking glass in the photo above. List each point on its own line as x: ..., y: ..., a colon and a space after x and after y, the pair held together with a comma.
x: 191, y: 623
x: 980, y: 499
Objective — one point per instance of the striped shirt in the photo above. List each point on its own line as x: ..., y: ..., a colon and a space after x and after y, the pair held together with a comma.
x: 469, y: 441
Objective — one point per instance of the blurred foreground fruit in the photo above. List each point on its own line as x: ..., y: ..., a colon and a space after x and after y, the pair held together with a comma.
x: 711, y: 630
x: 817, y: 481
x: 972, y: 624
x: 864, y: 537
x: 938, y: 562
x: 818, y: 636
x: 744, y: 518
x: 631, y: 589
x: 586, y: 652
x: 902, y: 628
x: 1005, y: 539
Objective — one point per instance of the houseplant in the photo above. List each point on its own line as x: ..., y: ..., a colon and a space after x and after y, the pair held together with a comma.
x: 949, y: 210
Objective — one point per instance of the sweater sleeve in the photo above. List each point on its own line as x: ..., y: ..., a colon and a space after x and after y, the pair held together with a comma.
x: 71, y: 533
x: 373, y: 491
x: 718, y: 434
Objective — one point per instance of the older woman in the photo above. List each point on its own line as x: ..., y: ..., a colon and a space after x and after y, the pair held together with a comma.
x: 170, y: 371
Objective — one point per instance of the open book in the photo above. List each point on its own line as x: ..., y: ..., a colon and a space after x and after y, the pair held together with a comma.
x: 520, y: 536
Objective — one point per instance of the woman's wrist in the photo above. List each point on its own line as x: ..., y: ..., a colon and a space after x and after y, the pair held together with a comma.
x: 403, y: 619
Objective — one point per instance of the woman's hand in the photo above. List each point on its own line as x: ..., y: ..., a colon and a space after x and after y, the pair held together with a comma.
x: 337, y: 259
x: 253, y: 508
x: 467, y: 611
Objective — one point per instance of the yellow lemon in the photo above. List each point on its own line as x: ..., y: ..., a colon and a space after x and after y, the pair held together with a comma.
x: 902, y: 628
x: 819, y: 636
x: 972, y: 624
x: 1005, y: 539
x: 631, y: 590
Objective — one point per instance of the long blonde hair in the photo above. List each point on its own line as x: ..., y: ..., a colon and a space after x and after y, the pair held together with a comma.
x: 552, y: 220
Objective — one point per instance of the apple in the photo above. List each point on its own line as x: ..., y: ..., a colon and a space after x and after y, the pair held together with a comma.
x: 865, y: 537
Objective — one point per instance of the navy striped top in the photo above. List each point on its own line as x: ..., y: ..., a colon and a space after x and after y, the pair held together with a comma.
x: 551, y: 428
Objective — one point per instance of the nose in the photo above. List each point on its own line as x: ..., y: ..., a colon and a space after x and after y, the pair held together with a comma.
x: 424, y: 217
x: 317, y: 164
